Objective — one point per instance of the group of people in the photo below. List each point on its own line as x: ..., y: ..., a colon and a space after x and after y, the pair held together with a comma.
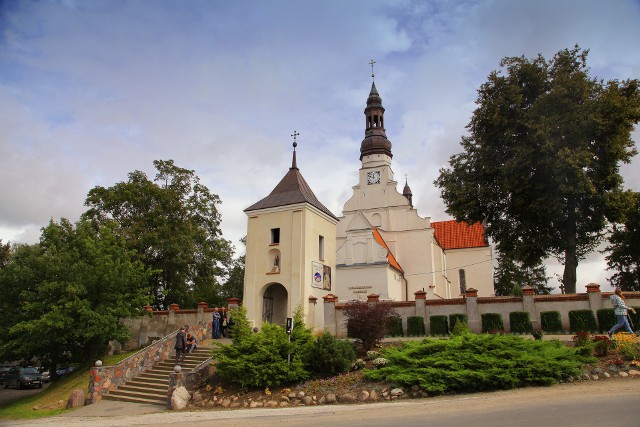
x: 221, y: 322
x: 186, y: 342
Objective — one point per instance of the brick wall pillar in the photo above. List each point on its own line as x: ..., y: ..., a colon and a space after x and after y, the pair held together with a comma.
x: 473, y: 317
x: 595, y: 297
x: 172, y: 324
x: 233, y: 303
x: 330, y: 301
x: 200, y: 316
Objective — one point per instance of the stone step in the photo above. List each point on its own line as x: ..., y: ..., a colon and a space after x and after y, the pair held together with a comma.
x: 143, y: 387
x: 137, y: 398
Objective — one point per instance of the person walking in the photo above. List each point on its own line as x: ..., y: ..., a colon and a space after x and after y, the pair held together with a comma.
x: 216, y: 323
x: 620, y: 309
x: 180, y: 346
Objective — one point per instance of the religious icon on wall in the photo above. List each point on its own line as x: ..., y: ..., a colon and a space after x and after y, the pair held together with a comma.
x: 326, y: 276
x: 316, y: 275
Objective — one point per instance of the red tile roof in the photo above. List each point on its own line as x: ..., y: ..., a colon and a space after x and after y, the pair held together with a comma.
x: 390, y: 257
x: 458, y: 235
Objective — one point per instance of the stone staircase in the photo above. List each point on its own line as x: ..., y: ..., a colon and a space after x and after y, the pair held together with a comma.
x: 152, y: 385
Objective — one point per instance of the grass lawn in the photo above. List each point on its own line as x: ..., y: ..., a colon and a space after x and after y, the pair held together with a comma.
x: 53, y: 400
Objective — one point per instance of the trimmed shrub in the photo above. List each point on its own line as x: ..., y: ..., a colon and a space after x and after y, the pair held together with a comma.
x: 260, y: 359
x: 367, y: 323
x: 550, y: 321
x: 415, y: 326
x: 606, y: 319
x: 460, y: 328
x: 635, y: 318
x: 439, y: 326
x: 473, y: 362
x: 492, y: 322
x: 520, y: 322
x: 327, y: 355
x: 395, y: 327
x: 453, y: 319
x: 582, y: 321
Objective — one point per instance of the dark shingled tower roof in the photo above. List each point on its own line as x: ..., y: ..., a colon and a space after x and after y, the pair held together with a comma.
x: 291, y: 190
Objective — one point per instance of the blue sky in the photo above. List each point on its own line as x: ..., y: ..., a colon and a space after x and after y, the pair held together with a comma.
x: 92, y: 90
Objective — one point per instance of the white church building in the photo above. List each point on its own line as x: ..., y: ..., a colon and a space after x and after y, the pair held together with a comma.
x: 299, y: 252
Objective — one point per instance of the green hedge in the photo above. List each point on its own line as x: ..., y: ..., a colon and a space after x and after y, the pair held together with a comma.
x: 439, y: 326
x: 550, y: 321
x: 415, y: 326
x: 582, y: 321
x: 453, y: 318
x: 606, y: 319
x: 635, y: 319
x: 520, y: 322
x: 492, y: 321
x: 395, y: 327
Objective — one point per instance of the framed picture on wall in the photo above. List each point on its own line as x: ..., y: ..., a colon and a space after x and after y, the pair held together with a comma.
x: 326, y: 277
x: 317, y: 271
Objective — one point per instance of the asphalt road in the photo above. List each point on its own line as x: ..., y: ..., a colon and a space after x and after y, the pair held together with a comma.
x: 603, y: 403
x: 10, y: 394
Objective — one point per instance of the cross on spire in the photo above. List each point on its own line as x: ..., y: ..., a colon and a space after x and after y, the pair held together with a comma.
x: 371, y: 63
x: 294, y: 135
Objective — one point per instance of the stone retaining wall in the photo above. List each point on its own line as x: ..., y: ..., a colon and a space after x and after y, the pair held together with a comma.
x: 103, y: 379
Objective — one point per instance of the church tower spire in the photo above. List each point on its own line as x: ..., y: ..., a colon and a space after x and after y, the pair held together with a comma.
x: 375, y: 139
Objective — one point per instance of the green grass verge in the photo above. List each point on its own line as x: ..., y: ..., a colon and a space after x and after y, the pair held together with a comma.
x: 48, y: 401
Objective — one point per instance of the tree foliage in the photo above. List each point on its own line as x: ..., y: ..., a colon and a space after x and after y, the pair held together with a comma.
x: 173, y: 224
x: 624, y: 248
x: 541, y: 163
x: 5, y: 250
x: 64, y: 297
x: 510, y: 276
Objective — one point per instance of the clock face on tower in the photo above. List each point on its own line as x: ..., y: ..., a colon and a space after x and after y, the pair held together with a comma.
x: 373, y: 177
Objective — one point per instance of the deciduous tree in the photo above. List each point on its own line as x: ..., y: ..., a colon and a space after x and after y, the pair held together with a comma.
x: 624, y: 248
x: 64, y: 297
x: 540, y: 165
x: 173, y: 223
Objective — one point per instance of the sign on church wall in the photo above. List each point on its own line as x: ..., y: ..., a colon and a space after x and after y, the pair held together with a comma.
x: 321, y: 276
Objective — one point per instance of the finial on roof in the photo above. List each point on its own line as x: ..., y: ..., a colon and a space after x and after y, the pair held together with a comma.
x: 372, y: 74
x: 294, y: 164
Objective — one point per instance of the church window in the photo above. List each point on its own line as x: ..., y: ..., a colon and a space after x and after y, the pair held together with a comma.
x: 463, y: 281
x: 375, y: 121
x: 275, y: 236
x: 321, y: 247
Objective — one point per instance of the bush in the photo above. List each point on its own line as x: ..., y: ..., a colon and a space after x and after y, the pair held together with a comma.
x: 537, y: 335
x: 473, y: 362
x: 439, y: 326
x: 460, y: 328
x: 582, y: 321
x: 491, y: 321
x: 520, y: 322
x: 395, y: 327
x: 606, y: 319
x: 260, y: 359
x: 328, y: 356
x: 635, y: 318
x: 550, y: 321
x: 602, y: 345
x: 454, y: 318
x: 581, y: 339
x: 367, y: 323
x: 415, y: 326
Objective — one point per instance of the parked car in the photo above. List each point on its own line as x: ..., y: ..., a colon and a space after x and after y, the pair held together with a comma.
x: 3, y: 371
x: 46, y: 375
x: 23, y: 377
x: 65, y: 370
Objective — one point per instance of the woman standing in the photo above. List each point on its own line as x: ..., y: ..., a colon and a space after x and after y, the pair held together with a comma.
x: 216, y: 323
x: 620, y: 309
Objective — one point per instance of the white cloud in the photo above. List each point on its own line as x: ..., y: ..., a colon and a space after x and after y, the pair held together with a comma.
x: 90, y: 91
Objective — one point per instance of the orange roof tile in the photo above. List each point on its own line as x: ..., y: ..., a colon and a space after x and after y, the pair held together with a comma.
x: 390, y: 257
x: 458, y: 235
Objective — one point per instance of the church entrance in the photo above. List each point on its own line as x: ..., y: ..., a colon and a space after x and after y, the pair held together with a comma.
x: 274, y: 304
